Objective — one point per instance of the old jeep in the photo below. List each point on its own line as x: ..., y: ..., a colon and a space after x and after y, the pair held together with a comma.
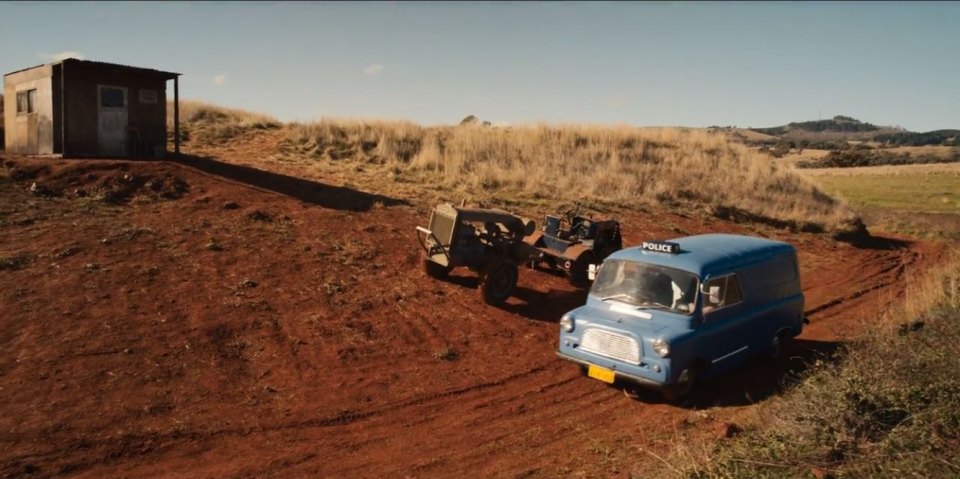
x: 487, y: 241
x: 570, y: 242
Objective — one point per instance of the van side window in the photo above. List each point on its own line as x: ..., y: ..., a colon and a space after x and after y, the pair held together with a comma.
x: 722, y: 292
x: 732, y: 295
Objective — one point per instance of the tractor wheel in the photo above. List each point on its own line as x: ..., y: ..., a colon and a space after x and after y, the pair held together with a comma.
x: 578, y: 270
x: 499, y: 283
x: 435, y: 270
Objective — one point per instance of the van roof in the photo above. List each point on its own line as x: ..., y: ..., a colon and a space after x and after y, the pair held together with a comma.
x: 709, y: 253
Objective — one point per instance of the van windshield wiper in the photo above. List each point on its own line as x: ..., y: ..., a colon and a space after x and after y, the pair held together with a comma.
x: 645, y: 305
x: 654, y: 305
x: 615, y: 296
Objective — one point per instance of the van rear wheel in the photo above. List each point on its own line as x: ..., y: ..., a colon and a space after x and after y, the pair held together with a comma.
x: 778, y: 345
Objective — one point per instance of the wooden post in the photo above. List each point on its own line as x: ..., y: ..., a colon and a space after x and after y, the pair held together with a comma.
x: 63, y: 109
x: 176, y: 115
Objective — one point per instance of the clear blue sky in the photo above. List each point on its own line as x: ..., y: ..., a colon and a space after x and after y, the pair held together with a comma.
x: 671, y: 63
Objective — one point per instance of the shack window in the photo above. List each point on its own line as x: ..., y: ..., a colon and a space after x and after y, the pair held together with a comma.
x: 111, y: 97
x: 27, y: 101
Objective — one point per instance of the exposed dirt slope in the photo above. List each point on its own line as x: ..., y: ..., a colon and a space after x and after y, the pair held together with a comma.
x: 257, y: 324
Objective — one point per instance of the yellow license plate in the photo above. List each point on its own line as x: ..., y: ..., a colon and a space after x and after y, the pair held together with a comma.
x: 602, y: 374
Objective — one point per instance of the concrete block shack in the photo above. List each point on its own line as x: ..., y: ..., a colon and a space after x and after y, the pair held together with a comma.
x: 78, y: 108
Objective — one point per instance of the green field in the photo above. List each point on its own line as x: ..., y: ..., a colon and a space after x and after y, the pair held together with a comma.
x: 917, y: 202
x: 928, y: 193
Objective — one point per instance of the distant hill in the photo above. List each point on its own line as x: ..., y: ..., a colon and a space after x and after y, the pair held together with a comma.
x: 838, y: 123
x: 837, y: 128
x: 837, y: 133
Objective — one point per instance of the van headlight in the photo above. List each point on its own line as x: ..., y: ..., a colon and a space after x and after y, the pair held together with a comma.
x: 661, y: 347
x: 566, y: 322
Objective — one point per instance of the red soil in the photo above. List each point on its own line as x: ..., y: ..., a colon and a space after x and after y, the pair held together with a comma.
x: 246, y: 323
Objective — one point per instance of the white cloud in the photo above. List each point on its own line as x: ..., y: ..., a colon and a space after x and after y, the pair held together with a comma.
x: 219, y: 79
x: 374, y: 69
x: 59, y: 56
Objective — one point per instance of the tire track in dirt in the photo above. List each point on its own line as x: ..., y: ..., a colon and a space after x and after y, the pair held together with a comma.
x: 153, y: 443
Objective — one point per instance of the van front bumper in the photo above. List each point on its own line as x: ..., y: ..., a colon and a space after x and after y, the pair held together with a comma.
x: 618, y: 373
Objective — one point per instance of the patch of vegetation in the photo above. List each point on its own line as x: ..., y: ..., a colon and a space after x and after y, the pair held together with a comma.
x: 854, y: 157
x: 889, y: 408
x: 213, y: 245
x: 15, y: 262
x: 906, y: 138
x: 445, y: 354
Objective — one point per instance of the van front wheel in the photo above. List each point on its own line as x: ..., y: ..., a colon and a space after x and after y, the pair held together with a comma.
x: 686, y: 383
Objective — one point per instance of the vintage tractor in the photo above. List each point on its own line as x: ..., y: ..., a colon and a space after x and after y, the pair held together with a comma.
x: 571, y: 242
x: 487, y: 241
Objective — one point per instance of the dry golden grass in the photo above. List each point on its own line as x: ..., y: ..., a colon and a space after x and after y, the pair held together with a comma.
x: 615, y: 164
x: 938, y: 286
x: 808, y: 154
x: 936, y: 150
x: 685, y: 169
x: 211, y: 123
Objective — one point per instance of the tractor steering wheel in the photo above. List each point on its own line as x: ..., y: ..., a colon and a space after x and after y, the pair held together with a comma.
x: 569, y: 211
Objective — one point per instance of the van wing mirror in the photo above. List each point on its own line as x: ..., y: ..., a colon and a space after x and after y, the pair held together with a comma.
x: 714, y: 295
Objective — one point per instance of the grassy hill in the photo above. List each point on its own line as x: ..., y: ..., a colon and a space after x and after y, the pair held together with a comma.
x: 839, y: 123
x: 680, y: 169
x: 838, y: 128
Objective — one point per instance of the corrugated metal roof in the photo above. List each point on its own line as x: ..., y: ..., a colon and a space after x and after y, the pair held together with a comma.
x: 168, y: 75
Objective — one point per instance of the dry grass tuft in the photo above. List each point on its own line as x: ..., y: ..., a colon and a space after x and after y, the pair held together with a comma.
x: 206, y: 123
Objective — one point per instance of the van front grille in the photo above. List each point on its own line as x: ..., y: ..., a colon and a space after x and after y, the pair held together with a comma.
x: 612, y: 345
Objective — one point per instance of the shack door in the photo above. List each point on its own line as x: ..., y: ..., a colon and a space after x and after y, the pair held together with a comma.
x: 112, y: 124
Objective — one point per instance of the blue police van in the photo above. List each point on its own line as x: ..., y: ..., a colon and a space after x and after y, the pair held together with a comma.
x: 667, y: 314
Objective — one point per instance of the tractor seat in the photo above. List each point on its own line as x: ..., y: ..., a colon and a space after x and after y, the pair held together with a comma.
x: 552, y: 226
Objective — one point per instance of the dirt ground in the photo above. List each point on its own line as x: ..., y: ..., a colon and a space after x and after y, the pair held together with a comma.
x: 213, y: 319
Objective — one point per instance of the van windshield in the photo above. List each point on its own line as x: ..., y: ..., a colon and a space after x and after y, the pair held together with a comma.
x: 646, y: 285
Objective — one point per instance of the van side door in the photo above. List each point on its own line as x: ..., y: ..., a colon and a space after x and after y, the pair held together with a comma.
x: 724, y: 337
